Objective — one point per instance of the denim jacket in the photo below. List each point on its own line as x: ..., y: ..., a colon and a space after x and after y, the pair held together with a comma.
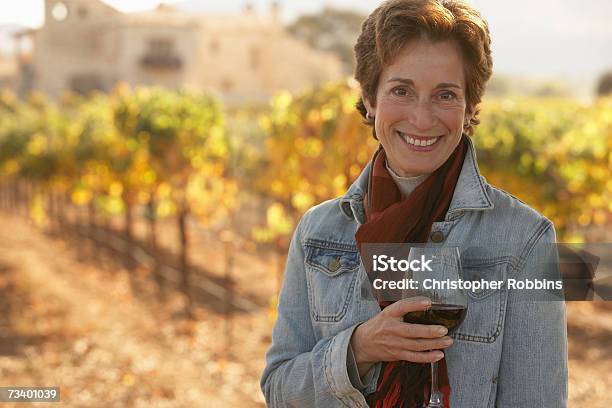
x: 508, y: 352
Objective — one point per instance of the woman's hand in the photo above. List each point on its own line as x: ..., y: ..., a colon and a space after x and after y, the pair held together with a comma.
x: 386, y: 337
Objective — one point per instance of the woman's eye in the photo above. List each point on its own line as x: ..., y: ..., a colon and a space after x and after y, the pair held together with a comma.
x: 399, y: 92
x: 447, y: 96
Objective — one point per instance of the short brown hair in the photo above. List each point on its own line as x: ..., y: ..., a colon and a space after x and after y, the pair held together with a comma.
x: 396, y: 22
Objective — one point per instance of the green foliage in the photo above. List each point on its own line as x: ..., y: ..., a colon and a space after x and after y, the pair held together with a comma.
x: 128, y: 145
x: 182, y: 130
x: 316, y: 147
x: 555, y: 155
x: 331, y: 30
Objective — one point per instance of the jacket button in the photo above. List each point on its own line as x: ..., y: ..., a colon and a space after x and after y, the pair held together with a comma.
x: 334, y: 264
x: 437, y: 236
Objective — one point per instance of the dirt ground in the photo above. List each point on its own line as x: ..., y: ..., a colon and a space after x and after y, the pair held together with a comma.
x: 106, y: 339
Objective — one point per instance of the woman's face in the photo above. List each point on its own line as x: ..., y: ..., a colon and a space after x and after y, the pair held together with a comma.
x: 420, y: 106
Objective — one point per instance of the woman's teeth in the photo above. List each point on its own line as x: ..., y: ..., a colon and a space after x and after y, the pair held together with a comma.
x: 418, y: 142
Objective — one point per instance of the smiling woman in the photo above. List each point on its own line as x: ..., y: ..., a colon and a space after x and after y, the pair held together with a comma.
x: 420, y: 106
x: 422, y: 66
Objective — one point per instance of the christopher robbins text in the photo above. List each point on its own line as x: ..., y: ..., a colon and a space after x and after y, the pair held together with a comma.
x: 472, y: 285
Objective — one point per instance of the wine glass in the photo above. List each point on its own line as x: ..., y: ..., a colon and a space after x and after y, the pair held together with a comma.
x: 435, y: 268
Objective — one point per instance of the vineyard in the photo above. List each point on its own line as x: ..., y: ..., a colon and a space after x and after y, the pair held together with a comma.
x: 190, y: 204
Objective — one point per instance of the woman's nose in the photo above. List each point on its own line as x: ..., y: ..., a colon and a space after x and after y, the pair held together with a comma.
x: 423, y: 117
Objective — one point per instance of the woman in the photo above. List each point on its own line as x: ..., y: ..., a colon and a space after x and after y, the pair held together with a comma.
x: 422, y: 66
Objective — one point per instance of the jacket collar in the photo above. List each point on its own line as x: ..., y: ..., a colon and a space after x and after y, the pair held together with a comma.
x: 470, y: 192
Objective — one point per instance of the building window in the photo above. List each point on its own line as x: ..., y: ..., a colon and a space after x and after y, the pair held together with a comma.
x: 161, y: 46
x: 59, y: 11
x: 161, y: 54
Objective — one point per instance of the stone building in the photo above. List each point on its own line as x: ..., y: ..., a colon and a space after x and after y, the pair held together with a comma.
x: 85, y: 45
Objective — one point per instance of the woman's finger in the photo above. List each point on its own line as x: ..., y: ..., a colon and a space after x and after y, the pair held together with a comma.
x: 427, y: 331
x: 421, y: 356
x: 426, y: 344
x: 401, y: 307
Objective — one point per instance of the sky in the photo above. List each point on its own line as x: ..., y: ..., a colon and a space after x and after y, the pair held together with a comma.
x: 560, y: 38
x: 31, y: 12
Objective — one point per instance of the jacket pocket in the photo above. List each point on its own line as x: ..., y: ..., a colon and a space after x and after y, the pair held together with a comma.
x: 486, y: 307
x: 331, y: 273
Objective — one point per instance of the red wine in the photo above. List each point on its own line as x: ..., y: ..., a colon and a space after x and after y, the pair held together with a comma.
x: 448, y: 316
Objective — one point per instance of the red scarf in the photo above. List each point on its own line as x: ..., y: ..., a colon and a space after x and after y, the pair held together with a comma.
x: 389, y: 218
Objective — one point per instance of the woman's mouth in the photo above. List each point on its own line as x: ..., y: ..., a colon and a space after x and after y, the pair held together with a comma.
x: 419, y: 143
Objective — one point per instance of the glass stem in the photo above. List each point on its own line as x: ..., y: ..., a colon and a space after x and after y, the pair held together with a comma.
x: 435, y: 396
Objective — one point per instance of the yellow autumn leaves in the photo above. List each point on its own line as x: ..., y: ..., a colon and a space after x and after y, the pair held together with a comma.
x: 291, y: 154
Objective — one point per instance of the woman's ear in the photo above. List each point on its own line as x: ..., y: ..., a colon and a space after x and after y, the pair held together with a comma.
x: 371, y: 109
